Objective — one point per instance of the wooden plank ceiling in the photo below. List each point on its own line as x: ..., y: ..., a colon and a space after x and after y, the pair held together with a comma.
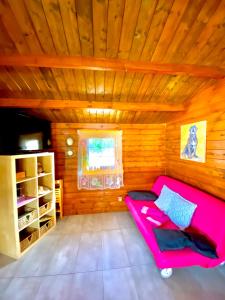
x: 172, y: 33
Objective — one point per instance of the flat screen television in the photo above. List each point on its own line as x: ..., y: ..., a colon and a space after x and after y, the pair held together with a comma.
x: 21, y: 133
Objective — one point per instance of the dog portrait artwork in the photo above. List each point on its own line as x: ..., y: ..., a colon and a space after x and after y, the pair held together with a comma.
x: 193, y: 141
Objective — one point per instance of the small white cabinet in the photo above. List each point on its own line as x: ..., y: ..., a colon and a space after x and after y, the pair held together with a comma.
x: 27, y: 201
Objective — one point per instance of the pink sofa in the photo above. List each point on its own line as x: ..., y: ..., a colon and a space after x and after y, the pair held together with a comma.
x: 208, y: 219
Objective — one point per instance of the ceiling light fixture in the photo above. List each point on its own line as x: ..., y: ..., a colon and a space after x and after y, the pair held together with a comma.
x: 95, y: 111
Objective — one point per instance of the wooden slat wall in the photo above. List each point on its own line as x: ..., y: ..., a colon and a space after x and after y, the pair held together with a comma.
x: 207, y: 105
x: 143, y: 161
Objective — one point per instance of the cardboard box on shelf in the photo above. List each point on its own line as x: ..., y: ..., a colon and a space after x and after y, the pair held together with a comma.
x: 20, y: 175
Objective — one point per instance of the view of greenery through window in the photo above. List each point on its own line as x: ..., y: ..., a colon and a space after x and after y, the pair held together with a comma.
x: 101, y: 153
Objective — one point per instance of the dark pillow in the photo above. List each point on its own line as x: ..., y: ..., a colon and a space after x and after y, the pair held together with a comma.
x: 143, y: 195
x: 202, y: 245
x: 168, y: 239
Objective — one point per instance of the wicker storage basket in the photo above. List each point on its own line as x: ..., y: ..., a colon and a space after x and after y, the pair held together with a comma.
x: 29, y: 237
x: 45, y: 207
x: 25, y: 219
x: 46, y: 226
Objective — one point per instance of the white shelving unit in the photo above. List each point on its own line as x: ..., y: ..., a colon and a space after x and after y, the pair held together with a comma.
x: 27, y: 204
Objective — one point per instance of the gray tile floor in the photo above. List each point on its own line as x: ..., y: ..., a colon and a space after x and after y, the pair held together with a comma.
x: 101, y: 256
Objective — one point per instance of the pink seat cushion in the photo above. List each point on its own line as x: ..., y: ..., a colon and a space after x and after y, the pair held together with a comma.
x: 155, y: 216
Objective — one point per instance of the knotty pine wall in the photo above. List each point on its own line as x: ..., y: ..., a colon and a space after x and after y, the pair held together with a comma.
x: 210, y: 176
x: 143, y: 161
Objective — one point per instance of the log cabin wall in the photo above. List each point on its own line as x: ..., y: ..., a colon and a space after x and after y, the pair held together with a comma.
x: 208, y: 105
x: 143, y: 161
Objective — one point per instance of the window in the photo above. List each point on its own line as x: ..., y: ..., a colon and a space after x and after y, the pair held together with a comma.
x: 101, y: 153
x: 100, y: 159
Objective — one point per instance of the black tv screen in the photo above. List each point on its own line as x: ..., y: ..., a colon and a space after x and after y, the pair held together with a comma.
x: 21, y: 133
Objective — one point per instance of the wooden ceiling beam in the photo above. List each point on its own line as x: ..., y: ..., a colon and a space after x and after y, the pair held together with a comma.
x: 107, y: 64
x: 77, y: 104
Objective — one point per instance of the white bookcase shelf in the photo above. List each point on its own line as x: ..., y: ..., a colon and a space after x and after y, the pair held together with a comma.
x: 24, y: 179
x: 24, y: 200
x: 44, y: 174
x: 44, y: 194
x: 27, y: 204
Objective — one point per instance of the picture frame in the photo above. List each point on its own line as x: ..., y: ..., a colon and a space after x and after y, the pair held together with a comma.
x: 193, y: 141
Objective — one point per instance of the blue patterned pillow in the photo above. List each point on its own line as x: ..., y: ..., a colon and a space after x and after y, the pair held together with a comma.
x: 163, y: 202
x: 180, y: 211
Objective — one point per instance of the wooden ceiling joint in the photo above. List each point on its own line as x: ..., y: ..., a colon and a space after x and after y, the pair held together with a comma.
x: 77, y: 104
x: 108, y: 64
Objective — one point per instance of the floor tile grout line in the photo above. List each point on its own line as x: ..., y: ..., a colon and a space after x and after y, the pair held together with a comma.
x: 74, y: 273
x: 136, y: 289
x: 78, y: 248
x: 81, y: 231
x: 37, y: 292
x: 88, y: 231
x: 103, y: 285
x: 125, y: 247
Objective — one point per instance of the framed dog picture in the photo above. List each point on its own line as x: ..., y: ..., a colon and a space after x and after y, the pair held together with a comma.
x: 193, y: 141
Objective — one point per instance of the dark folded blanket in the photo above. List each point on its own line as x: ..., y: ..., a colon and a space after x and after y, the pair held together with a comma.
x: 143, y: 195
x: 176, y: 239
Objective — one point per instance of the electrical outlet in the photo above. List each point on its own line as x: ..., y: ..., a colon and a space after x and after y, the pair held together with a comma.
x: 120, y: 199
